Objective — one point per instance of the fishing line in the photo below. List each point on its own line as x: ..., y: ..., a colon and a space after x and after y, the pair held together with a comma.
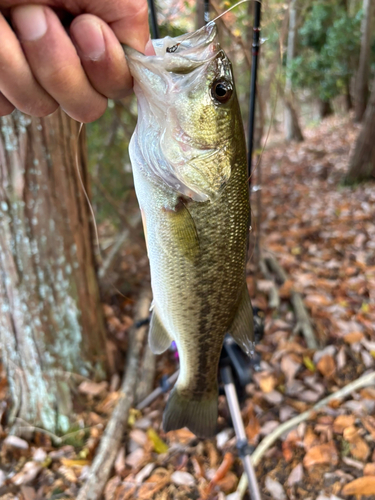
x: 97, y: 241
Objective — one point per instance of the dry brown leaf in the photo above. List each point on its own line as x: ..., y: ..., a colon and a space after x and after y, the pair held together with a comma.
x: 290, y: 366
x: 361, y: 486
x: 321, y: 454
x: 74, y: 463
x: 369, y: 424
x: 351, y: 338
x: 369, y: 469
x: 286, y: 289
x: 182, y: 436
x: 228, y: 483
x: 92, y: 388
x: 253, y: 427
x: 359, y: 449
x: 267, y: 382
x: 326, y: 365
x: 342, y: 422
x: 310, y: 439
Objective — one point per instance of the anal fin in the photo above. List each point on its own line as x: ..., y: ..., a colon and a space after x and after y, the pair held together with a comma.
x: 242, y: 328
x: 158, y: 337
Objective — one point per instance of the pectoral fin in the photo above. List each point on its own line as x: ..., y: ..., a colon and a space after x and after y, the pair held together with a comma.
x: 158, y: 337
x: 184, y: 231
x: 242, y: 329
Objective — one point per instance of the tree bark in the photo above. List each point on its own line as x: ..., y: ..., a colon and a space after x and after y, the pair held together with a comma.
x: 199, y: 20
x: 362, y: 79
x: 51, y: 325
x: 362, y: 162
x: 292, y: 128
x: 325, y: 109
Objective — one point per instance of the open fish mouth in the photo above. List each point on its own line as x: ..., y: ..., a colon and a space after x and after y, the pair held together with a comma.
x: 180, y: 54
x: 175, y: 104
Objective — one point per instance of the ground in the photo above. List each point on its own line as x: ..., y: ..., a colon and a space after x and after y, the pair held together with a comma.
x: 323, y: 236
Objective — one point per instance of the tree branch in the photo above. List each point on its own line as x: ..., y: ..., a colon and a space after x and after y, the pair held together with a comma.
x: 112, y: 438
x: 298, y: 305
x: 268, y: 441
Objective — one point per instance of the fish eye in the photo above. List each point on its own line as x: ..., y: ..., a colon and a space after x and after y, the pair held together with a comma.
x: 221, y: 91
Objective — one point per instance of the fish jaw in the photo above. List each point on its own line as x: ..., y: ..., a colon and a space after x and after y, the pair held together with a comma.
x: 178, y: 114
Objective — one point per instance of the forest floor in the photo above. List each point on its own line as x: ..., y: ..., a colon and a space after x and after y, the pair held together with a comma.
x: 323, y: 236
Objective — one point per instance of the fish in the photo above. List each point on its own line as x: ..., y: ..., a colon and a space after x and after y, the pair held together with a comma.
x: 188, y: 156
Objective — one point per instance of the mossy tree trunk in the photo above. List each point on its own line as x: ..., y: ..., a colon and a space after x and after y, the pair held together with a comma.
x: 293, y: 130
x: 362, y: 162
x: 51, y: 326
x: 362, y: 78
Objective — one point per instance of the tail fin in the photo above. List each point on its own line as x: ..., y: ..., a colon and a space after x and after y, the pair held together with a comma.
x: 200, y: 417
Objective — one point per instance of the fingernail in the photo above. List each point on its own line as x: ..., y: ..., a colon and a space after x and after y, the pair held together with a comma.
x: 89, y: 38
x: 30, y: 22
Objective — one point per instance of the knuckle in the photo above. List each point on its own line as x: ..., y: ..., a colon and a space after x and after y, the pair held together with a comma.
x: 91, y: 114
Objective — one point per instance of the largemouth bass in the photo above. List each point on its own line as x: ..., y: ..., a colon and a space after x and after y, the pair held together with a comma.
x: 189, y: 164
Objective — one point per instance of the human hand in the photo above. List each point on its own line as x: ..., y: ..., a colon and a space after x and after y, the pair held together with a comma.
x: 42, y: 66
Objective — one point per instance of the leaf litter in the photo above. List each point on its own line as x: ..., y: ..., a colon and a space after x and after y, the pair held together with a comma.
x: 323, y: 235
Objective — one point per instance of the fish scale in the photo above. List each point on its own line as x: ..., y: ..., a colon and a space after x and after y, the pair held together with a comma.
x: 189, y: 165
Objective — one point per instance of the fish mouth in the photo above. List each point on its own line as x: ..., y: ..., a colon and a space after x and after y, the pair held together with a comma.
x: 179, y: 55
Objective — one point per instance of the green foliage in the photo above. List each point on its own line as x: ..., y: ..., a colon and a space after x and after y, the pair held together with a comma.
x: 329, y: 50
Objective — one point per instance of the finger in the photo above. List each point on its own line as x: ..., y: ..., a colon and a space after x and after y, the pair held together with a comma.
x: 17, y: 83
x: 131, y: 27
x: 102, y: 56
x: 5, y: 106
x: 55, y: 63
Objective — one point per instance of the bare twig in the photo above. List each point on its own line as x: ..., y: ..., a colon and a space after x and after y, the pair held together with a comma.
x: 302, y: 316
x: 236, y: 39
x: 112, y: 253
x: 268, y: 441
x: 273, y: 294
x: 112, y: 437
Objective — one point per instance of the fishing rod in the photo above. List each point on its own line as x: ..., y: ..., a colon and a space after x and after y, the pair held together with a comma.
x: 253, y: 84
x: 206, y: 11
x: 153, y: 19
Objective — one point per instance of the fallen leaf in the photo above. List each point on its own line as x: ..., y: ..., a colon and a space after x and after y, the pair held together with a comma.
x: 135, y: 458
x: 290, y: 367
x: 275, y: 489
x: 144, y: 473
x: 228, y: 483
x: 267, y: 382
x: 181, y: 478
x: 321, y: 454
x: 369, y: 470
x: 326, y: 365
x: 29, y: 472
x: 28, y: 493
x: 16, y: 442
x: 296, y: 475
x: 92, y: 388
x: 351, y: 338
x: 361, y: 486
x: 74, y: 463
x: 342, y: 422
x: 159, y: 445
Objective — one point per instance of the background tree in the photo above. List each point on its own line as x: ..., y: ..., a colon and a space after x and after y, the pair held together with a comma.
x: 328, y: 55
x: 51, y: 326
x: 362, y: 79
x: 292, y: 127
x: 362, y: 162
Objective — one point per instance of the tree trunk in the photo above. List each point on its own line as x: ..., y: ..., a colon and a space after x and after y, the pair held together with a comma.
x: 362, y: 79
x: 325, y: 109
x: 348, y: 97
x: 292, y: 128
x: 362, y: 162
x: 51, y: 326
x: 199, y: 20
